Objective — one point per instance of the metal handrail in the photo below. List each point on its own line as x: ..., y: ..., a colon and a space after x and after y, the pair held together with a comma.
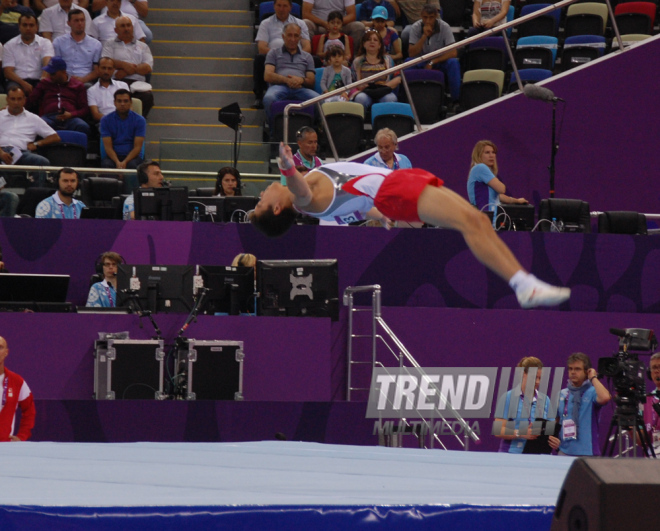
x: 377, y: 320
x: 428, y: 57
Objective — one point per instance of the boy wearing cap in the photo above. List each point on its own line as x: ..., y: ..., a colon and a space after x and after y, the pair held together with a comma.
x: 390, y: 37
x: 385, y: 10
x: 60, y: 99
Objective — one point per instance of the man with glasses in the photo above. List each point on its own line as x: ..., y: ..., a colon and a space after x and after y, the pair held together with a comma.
x: 104, y: 294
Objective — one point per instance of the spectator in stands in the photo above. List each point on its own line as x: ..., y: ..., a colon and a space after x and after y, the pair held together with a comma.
x: 122, y: 134
x: 101, y: 95
x: 390, y: 37
x: 336, y: 75
x: 411, y: 12
x: 80, y: 51
x: 289, y: 71
x: 579, y: 409
x: 483, y: 186
x: 651, y: 416
x: 53, y: 21
x: 16, y: 394
x: 10, y: 13
x: 104, y: 294
x: 308, y: 144
x: 8, y: 204
x: 149, y: 176
x: 25, y: 55
x: 512, y: 440
x: 371, y: 60
x: 315, y: 14
x: 228, y: 182
x: 138, y: 9
x: 430, y: 34
x: 41, y: 5
x: 385, y: 11
x: 269, y: 36
x: 487, y: 14
x: 103, y: 26
x: 133, y: 61
x: 62, y: 205
x: 387, y: 144
x: 18, y: 132
x: 60, y: 99
x: 334, y: 37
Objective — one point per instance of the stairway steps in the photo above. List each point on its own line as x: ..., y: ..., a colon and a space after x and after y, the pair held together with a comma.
x: 200, y: 115
x: 205, y: 65
x: 235, y: 83
x: 159, y: 130
x: 191, y: 32
x: 200, y: 4
x: 198, y: 16
x: 210, y: 48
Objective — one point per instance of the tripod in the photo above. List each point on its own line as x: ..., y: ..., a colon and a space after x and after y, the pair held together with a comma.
x: 627, y: 416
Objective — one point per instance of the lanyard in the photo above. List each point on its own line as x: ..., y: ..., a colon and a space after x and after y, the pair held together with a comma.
x: 110, y: 297
x: 62, y: 210
x: 4, y: 390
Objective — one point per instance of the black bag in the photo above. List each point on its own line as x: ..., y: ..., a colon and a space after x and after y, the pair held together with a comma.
x: 376, y: 91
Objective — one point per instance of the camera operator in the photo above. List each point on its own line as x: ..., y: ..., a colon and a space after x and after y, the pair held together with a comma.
x: 651, y: 416
x: 579, y: 409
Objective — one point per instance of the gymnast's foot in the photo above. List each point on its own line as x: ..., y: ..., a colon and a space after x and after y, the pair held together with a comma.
x: 539, y: 293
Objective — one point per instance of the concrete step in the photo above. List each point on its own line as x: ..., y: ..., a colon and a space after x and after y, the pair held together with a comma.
x: 189, y: 32
x: 208, y: 98
x: 202, y: 4
x: 203, y: 48
x: 158, y: 130
x: 200, y: 115
x: 205, y: 65
x: 229, y: 82
x: 200, y: 16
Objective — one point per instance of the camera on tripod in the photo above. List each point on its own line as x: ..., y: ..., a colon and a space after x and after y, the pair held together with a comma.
x: 624, y: 367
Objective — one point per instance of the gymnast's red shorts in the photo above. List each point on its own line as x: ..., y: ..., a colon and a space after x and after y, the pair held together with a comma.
x: 398, y: 195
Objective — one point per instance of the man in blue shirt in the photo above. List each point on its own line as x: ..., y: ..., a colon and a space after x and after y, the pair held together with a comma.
x: 579, y: 409
x: 123, y: 133
x: 62, y: 205
x: 104, y: 294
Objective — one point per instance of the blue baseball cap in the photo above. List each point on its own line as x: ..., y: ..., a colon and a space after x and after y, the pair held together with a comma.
x: 55, y: 64
x: 379, y: 12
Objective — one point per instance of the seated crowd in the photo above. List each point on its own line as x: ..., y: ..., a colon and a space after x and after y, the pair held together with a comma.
x: 60, y: 72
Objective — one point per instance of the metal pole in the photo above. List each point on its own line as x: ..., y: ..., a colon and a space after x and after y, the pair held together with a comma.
x: 327, y: 131
x: 512, y: 60
x: 410, y: 101
x: 614, y: 25
x: 349, y: 347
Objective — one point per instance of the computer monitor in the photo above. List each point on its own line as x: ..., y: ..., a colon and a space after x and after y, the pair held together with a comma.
x: 573, y: 213
x: 298, y: 288
x: 515, y: 217
x: 210, y: 208
x: 231, y: 289
x: 159, y: 288
x: 235, y: 208
x: 164, y: 204
x: 34, y: 292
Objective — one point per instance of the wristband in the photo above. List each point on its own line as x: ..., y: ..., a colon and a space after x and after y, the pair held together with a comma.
x: 287, y: 172
x: 593, y: 378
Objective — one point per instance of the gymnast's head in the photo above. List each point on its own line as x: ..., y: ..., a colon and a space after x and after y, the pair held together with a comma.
x: 274, y: 213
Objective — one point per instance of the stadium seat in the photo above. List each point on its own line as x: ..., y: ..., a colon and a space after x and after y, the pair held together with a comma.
x: 297, y: 119
x: 622, y: 222
x: 70, y: 151
x: 589, y: 18
x: 205, y: 191
x: 539, y: 51
x: 628, y: 40
x: 528, y: 75
x: 544, y: 25
x: 487, y: 53
x: 427, y: 89
x: 396, y: 116
x: 318, y: 74
x: 31, y: 198
x: 346, y: 124
x: 480, y: 86
x: 635, y: 17
x: 581, y: 49
x: 99, y: 191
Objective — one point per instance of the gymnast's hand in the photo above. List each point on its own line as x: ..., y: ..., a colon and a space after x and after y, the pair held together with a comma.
x: 285, y: 160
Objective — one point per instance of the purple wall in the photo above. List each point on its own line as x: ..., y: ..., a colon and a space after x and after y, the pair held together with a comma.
x: 608, y: 131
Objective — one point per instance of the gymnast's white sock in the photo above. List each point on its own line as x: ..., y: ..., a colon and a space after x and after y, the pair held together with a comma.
x: 522, y: 280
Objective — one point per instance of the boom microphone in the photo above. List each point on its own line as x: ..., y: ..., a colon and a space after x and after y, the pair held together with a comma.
x: 534, y: 92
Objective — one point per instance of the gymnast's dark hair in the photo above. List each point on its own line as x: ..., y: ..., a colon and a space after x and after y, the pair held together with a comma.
x: 273, y: 225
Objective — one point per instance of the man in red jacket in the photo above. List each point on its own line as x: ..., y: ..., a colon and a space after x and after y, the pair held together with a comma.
x: 61, y: 100
x: 15, y: 393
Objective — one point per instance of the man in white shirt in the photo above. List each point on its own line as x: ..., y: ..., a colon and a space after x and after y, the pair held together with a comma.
x: 18, y: 131
x: 25, y: 56
x: 133, y: 60
x: 100, y: 96
x: 53, y: 21
x: 135, y: 8
x: 103, y: 26
x: 80, y: 51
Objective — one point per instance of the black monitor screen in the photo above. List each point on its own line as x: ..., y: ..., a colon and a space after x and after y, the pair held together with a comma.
x: 165, y: 204
x: 33, y: 288
x: 515, y: 217
x: 231, y: 289
x: 234, y: 209
x: 573, y: 213
x: 167, y: 289
x: 210, y: 208
x: 298, y: 288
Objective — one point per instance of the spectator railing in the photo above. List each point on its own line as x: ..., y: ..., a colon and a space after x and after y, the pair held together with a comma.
x: 428, y: 57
